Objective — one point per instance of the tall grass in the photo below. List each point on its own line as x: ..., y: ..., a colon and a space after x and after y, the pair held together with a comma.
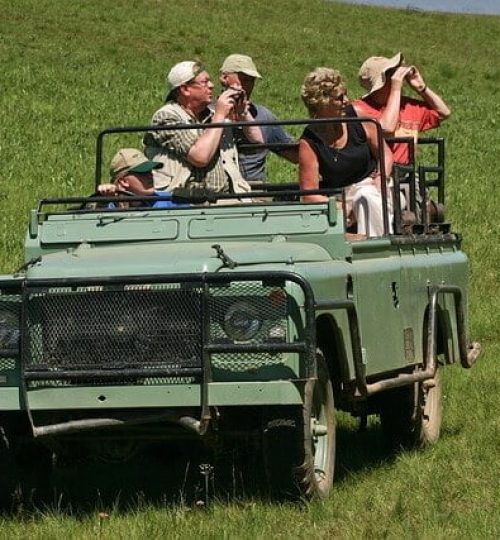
x: 70, y: 69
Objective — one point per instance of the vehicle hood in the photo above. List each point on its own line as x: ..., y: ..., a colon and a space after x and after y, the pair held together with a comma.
x: 151, y: 259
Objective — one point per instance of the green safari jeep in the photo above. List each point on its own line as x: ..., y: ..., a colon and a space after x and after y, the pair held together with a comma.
x: 264, y: 316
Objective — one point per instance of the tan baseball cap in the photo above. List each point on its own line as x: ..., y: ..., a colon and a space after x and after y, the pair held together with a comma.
x: 182, y: 73
x: 131, y: 160
x: 372, y: 72
x: 240, y: 63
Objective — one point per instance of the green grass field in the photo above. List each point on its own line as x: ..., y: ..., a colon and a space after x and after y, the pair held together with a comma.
x: 70, y: 69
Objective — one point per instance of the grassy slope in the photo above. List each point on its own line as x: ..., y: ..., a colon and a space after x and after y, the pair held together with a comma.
x: 71, y: 69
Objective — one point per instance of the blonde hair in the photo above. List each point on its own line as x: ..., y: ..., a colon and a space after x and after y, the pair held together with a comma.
x: 320, y: 87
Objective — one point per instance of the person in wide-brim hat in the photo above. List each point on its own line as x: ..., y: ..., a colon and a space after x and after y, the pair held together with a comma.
x: 399, y: 115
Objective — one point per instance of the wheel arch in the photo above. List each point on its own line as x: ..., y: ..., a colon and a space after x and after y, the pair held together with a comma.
x: 330, y: 340
x: 444, y: 333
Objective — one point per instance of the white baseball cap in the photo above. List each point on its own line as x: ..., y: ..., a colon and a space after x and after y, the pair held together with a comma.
x: 180, y: 74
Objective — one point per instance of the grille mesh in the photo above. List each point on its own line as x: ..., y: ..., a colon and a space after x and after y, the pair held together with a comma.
x: 7, y: 364
x: 152, y: 326
x: 113, y: 329
x: 10, y: 316
x: 246, y: 362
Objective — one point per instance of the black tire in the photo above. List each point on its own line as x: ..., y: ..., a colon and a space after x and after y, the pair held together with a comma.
x: 299, y: 442
x: 411, y: 416
x: 25, y: 476
x: 35, y: 467
x: 8, y: 478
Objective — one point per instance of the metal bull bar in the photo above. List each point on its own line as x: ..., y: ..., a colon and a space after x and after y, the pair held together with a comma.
x: 307, y: 346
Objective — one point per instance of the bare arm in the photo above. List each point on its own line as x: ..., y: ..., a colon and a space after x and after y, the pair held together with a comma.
x: 205, y: 147
x: 242, y: 113
x: 390, y: 118
x: 252, y: 133
x: 436, y: 102
x: 309, y: 172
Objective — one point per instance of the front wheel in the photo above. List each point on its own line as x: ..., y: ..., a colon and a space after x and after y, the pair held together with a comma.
x: 299, y: 442
x: 25, y: 475
x: 8, y: 478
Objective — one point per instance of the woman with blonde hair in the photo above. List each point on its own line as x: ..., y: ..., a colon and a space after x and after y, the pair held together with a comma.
x: 342, y: 154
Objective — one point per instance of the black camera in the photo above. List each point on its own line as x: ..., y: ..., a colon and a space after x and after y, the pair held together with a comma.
x: 238, y: 95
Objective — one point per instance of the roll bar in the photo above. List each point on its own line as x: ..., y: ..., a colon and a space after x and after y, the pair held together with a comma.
x: 296, y: 122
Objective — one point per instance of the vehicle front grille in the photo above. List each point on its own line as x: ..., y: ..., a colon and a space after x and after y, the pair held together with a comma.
x: 132, y: 328
x: 146, y: 332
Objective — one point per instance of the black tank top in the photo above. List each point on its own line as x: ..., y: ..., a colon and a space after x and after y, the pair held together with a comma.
x: 341, y: 167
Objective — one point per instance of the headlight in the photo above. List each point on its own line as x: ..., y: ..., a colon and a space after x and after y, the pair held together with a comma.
x: 9, y: 334
x: 241, y: 321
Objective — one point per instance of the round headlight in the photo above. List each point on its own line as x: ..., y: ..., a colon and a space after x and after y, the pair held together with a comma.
x: 9, y: 333
x: 241, y: 321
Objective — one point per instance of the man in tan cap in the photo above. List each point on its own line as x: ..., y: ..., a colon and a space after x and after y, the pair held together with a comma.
x: 399, y: 115
x: 198, y: 158
x: 238, y: 70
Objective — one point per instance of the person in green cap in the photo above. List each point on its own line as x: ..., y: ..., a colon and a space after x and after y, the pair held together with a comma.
x: 131, y: 173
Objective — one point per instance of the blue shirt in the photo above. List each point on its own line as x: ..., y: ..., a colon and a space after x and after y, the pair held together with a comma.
x: 165, y: 201
x: 253, y: 161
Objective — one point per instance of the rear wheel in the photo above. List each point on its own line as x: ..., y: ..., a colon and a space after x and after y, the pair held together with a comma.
x: 299, y: 442
x: 411, y: 416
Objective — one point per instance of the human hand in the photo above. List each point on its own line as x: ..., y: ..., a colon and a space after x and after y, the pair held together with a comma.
x: 241, y: 103
x: 107, y: 190
x: 415, y: 79
x: 400, y: 74
x: 226, y: 102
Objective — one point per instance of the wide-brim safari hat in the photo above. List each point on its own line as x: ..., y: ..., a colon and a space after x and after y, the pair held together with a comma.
x: 372, y: 74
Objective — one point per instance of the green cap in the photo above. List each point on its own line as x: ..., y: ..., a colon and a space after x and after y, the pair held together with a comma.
x: 131, y: 160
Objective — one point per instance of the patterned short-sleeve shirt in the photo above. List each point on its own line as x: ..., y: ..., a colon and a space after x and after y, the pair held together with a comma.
x: 178, y: 142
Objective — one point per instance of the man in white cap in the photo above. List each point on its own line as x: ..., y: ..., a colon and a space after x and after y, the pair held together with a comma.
x: 198, y: 158
x: 238, y: 70
x: 399, y: 115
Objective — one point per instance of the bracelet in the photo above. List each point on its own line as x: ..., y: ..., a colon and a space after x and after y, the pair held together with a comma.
x: 423, y: 89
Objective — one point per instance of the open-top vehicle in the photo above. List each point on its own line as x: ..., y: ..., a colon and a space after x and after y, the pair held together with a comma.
x: 261, y: 316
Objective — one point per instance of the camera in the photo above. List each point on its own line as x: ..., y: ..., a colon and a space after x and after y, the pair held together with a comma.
x: 238, y: 95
